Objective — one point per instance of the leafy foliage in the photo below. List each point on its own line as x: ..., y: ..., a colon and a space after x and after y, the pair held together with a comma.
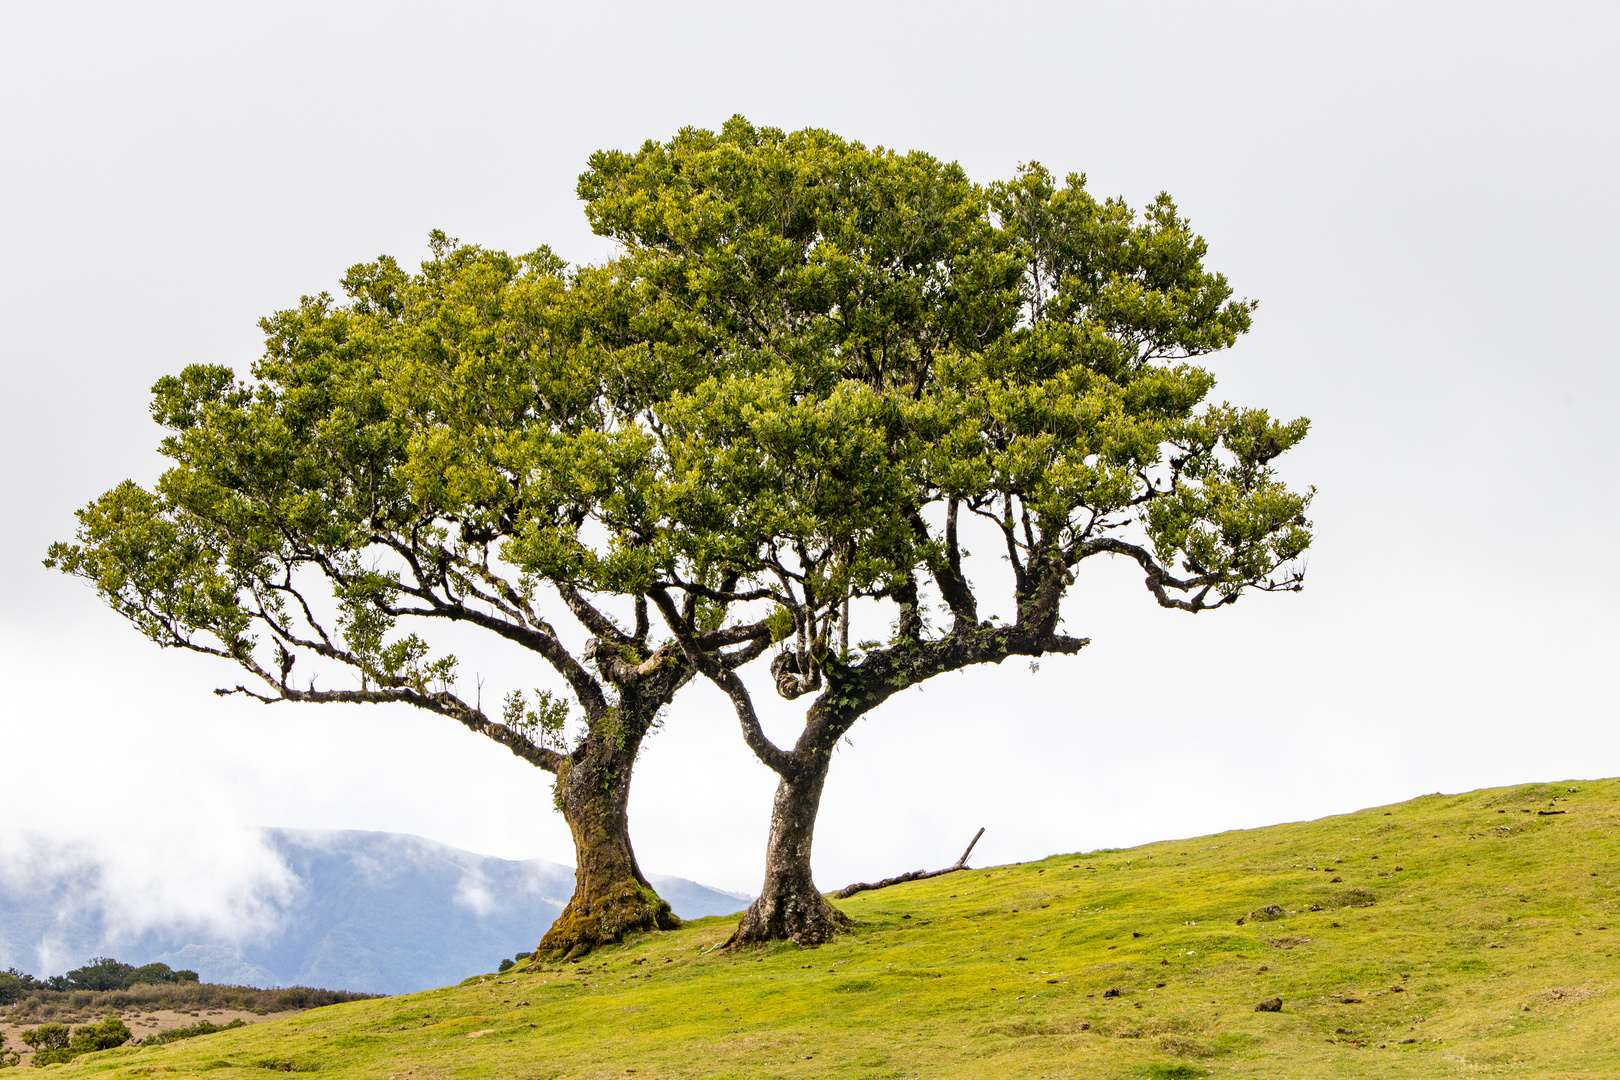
x: 191, y: 1031
x: 52, y: 1043
x: 16, y: 985
x: 105, y: 973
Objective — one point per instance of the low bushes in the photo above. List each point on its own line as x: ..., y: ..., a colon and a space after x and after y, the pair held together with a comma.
x: 180, y: 997
x: 53, y: 1043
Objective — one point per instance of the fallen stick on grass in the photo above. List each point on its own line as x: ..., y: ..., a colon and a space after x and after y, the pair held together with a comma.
x: 916, y: 875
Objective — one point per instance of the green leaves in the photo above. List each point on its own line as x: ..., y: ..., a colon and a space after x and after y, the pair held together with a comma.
x: 801, y: 252
x: 157, y: 568
x: 811, y: 361
x: 545, y: 723
x: 886, y: 338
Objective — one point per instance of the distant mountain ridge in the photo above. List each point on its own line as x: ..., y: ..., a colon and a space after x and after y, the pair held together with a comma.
x: 368, y: 911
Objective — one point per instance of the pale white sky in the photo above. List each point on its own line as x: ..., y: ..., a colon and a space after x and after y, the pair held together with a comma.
x: 1421, y: 196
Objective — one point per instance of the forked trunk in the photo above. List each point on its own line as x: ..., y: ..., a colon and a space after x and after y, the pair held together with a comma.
x: 790, y: 907
x: 611, y: 897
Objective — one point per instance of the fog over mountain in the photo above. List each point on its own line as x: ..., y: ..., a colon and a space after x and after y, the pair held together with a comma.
x: 367, y: 911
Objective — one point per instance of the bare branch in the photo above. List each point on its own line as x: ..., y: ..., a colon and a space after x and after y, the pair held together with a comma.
x: 443, y: 703
x: 947, y: 574
x: 779, y: 761
x: 1159, y: 580
x: 592, y: 619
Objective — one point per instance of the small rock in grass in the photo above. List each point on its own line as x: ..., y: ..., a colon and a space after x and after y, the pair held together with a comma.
x: 1269, y: 1005
x: 1267, y: 913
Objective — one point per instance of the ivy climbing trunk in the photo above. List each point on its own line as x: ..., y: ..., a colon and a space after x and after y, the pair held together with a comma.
x: 611, y: 897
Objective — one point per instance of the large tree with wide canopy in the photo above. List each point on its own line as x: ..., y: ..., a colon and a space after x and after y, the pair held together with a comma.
x: 911, y: 361
x: 815, y: 380
x: 445, y: 448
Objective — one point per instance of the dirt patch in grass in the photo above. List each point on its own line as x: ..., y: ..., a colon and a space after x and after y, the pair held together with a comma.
x: 140, y: 1022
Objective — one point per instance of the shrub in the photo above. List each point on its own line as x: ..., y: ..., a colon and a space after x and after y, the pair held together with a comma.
x: 201, y: 1027
x: 506, y: 965
x: 53, y: 1044
x: 47, y: 1037
x: 183, y: 995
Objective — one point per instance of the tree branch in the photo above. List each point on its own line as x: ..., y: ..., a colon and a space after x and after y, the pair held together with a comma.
x: 1158, y: 578
x: 774, y: 757
x: 592, y: 619
x: 953, y: 586
x: 916, y: 875
x: 443, y: 703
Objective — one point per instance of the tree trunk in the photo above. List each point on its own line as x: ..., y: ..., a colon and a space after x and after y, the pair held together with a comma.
x: 611, y: 897
x: 789, y: 906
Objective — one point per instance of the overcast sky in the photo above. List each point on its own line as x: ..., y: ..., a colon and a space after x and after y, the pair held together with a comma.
x: 1422, y: 198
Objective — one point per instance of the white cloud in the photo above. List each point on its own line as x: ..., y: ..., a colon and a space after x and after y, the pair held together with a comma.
x: 222, y: 882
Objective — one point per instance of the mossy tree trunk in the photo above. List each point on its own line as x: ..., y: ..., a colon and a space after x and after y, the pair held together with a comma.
x: 611, y: 897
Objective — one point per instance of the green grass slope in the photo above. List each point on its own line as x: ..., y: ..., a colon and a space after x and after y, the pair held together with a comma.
x: 1468, y: 935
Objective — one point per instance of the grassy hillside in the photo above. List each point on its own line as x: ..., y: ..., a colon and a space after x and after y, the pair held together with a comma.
x: 1452, y: 935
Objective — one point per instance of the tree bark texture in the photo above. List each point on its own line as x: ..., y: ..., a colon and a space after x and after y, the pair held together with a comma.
x: 611, y: 897
x: 790, y: 908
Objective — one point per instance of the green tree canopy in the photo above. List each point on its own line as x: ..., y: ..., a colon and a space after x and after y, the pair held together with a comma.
x: 445, y: 448
x: 818, y: 377
x: 907, y: 361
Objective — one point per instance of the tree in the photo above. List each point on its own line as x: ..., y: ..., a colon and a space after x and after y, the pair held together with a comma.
x: 158, y: 973
x: 442, y: 449
x: 912, y: 362
x: 47, y: 1037
x: 16, y: 985
x: 102, y: 973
